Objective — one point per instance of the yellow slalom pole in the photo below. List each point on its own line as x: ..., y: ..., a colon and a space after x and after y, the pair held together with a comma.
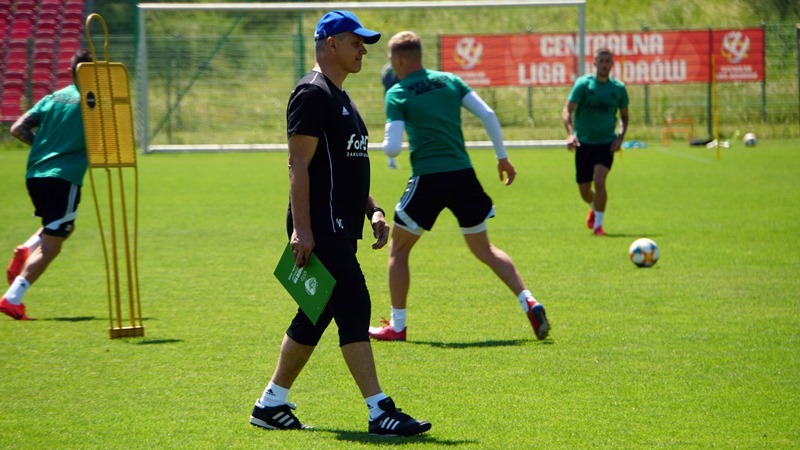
x: 108, y: 126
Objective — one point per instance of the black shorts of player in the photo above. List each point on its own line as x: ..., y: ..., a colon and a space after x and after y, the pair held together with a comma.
x: 349, y: 304
x: 589, y: 155
x: 427, y: 195
x: 56, y: 201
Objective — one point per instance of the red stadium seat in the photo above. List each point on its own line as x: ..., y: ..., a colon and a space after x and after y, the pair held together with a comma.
x: 5, y: 21
x: 63, y: 80
x: 71, y: 33
x: 43, y: 44
x: 49, y: 14
x: 46, y: 25
x: 68, y: 47
x: 43, y: 66
x: 24, y: 5
x: 21, y: 29
x: 13, y: 78
x: 41, y: 88
x: 15, y: 65
x: 73, y: 7
x: 50, y: 4
x: 18, y: 54
x: 72, y: 24
x: 23, y: 16
x: 75, y: 14
x: 10, y: 111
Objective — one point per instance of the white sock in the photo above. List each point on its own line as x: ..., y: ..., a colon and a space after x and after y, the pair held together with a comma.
x: 598, y: 219
x: 273, y: 395
x: 17, y: 290
x: 33, y: 242
x: 398, y: 321
x: 372, y: 405
x: 523, y: 299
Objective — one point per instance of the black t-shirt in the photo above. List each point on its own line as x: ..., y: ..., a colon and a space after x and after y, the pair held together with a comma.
x: 339, y: 171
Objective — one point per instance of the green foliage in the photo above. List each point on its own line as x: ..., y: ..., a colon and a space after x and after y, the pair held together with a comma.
x: 699, y: 351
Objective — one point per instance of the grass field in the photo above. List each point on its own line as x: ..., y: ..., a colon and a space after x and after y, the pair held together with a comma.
x: 700, y: 351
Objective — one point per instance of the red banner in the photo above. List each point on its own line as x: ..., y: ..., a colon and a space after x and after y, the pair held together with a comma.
x: 640, y: 58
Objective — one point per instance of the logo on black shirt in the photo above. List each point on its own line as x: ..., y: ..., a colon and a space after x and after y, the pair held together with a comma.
x: 357, y: 145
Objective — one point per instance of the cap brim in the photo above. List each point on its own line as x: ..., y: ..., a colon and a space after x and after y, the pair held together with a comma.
x: 370, y: 37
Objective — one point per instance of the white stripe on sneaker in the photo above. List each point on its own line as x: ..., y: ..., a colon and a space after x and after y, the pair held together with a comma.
x: 389, y: 423
x: 283, y: 419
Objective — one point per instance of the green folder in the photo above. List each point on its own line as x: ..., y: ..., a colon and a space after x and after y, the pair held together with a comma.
x: 309, y: 286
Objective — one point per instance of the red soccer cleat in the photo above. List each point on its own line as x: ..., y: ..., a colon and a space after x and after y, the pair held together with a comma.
x: 386, y: 332
x: 538, y: 318
x: 599, y: 231
x: 16, y: 312
x: 21, y: 254
x: 590, y: 219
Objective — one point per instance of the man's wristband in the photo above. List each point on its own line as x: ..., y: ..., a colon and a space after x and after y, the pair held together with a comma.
x: 373, y: 211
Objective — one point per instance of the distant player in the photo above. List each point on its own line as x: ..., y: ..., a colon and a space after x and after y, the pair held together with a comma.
x: 57, y: 164
x: 427, y: 104
x: 594, y: 100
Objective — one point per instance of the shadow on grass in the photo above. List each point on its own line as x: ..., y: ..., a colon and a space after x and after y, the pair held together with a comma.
x: 363, y: 437
x: 71, y: 319
x: 634, y: 236
x: 154, y: 341
x: 507, y: 343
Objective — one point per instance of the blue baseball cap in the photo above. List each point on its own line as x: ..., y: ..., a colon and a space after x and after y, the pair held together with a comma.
x: 336, y: 22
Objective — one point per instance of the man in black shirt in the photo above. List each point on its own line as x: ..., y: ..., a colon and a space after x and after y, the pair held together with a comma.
x: 329, y: 175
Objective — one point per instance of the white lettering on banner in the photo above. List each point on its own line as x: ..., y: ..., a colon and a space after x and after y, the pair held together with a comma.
x: 475, y: 78
x: 541, y: 74
x: 551, y: 46
x: 643, y: 72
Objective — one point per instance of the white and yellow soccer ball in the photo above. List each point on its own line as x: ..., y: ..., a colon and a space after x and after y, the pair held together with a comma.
x: 644, y: 252
x: 750, y: 140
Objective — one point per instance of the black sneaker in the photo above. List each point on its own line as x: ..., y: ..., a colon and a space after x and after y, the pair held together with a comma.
x: 276, y: 418
x: 393, y: 422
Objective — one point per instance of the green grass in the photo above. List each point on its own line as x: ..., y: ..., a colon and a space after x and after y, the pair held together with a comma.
x: 702, y: 350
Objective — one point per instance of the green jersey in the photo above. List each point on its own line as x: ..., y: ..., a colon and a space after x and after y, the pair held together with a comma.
x: 429, y: 102
x: 596, y: 114
x: 59, y: 147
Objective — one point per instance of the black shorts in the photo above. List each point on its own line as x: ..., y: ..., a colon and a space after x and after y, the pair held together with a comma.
x: 349, y: 304
x: 587, y: 156
x: 56, y: 201
x: 427, y: 195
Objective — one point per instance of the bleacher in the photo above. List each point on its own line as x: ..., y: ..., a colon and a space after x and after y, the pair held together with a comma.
x: 37, y: 40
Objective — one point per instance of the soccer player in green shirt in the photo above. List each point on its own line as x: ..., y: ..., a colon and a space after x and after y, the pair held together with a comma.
x: 427, y: 105
x: 594, y: 100
x: 57, y: 164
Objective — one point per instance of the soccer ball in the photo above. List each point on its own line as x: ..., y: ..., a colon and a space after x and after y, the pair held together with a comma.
x: 750, y: 140
x: 643, y: 252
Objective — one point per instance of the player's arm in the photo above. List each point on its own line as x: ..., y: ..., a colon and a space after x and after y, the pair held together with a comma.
x: 623, y: 118
x: 301, y: 150
x: 475, y: 104
x: 393, y: 137
x: 23, y: 128
x: 566, y: 114
x: 377, y: 219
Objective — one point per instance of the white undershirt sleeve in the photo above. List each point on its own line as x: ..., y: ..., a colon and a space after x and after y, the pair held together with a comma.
x: 393, y: 137
x: 475, y: 104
